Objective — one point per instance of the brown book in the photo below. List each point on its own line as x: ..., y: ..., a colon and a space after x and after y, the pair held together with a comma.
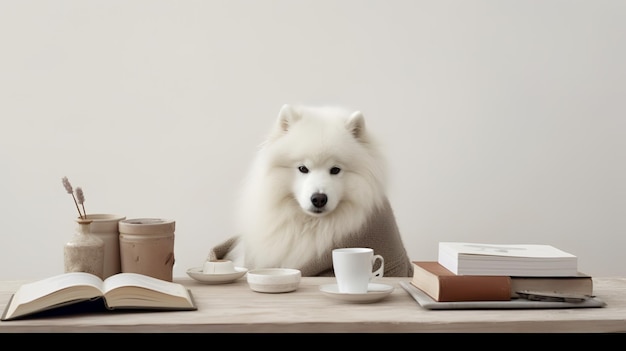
x: 444, y: 286
x: 434, y: 279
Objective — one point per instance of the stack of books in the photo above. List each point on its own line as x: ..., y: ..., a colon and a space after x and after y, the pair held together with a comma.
x: 489, y: 272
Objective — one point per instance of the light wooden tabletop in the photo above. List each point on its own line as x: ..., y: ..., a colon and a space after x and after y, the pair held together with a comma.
x: 235, y: 308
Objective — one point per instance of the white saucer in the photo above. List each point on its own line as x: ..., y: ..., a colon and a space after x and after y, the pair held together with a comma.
x: 218, y: 278
x: 374, y: 293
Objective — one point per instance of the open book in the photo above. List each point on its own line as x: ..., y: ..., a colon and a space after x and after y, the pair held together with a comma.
x: 119, y: 291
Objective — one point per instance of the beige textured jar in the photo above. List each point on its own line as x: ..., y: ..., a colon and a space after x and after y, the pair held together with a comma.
x: 147, y: 246
x: 84, y: 252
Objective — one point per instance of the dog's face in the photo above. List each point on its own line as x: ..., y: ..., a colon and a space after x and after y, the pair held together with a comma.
x: 323, y: 154
x: 318, y: 188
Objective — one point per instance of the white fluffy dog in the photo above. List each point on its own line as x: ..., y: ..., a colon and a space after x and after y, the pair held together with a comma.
x: 317, y: 183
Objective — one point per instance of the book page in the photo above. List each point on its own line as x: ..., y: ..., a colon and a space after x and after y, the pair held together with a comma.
x: 48, y: 292
x: 31, y: 291
x: 139, y: 280
x: 514, y: 250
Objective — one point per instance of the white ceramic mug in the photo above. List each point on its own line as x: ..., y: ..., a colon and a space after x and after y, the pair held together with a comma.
x: 218, y: 267
x: 354, y: 268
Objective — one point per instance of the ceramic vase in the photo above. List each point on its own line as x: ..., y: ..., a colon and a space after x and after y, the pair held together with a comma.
x: 85, y: 251
x: 106, y: 227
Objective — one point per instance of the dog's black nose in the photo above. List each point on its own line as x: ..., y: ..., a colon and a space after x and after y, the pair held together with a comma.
x: 319, y: 200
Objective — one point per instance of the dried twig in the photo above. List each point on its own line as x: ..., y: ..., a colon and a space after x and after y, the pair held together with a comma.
x: 70, y: 190
x: 81, y: 199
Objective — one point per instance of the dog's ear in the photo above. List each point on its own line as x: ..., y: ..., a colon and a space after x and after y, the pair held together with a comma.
x: 286, y: 117
x: 356, y: 125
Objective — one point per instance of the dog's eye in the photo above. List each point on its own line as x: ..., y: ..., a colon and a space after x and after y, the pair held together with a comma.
x: 303, y: 169
x: 335, y: 170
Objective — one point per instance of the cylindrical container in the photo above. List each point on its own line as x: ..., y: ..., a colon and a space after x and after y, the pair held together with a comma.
x: 105, y: 227
x: 147, y: 246
x: 218, y: 267
x: 84, y: 252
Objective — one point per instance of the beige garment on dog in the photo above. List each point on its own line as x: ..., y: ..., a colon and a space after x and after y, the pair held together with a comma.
x: 380, y: 233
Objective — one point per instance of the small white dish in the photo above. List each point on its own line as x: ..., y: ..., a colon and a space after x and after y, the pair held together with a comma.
x: 218, y: 267
x: 198, y: 274
x: 274, y: 280
x: 375, y: 292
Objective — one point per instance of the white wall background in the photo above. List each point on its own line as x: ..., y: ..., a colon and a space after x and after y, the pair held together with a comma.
x: 503, y: 121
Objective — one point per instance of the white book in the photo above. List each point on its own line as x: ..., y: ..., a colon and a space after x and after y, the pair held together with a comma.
x: 526, y: 260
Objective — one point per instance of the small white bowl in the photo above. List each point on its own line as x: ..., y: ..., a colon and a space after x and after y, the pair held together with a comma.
x: 274, y: 280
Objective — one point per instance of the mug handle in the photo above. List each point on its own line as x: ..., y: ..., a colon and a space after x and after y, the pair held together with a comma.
x: 381, y: 270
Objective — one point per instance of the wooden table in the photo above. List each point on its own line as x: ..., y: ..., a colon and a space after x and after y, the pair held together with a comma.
x: 235, y: 308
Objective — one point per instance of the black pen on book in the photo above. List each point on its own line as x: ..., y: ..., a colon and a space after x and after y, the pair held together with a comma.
x: 551, y: 297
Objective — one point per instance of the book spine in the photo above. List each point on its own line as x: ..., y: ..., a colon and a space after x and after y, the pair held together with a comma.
x: 475, y: 288
x: 479, y: 288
